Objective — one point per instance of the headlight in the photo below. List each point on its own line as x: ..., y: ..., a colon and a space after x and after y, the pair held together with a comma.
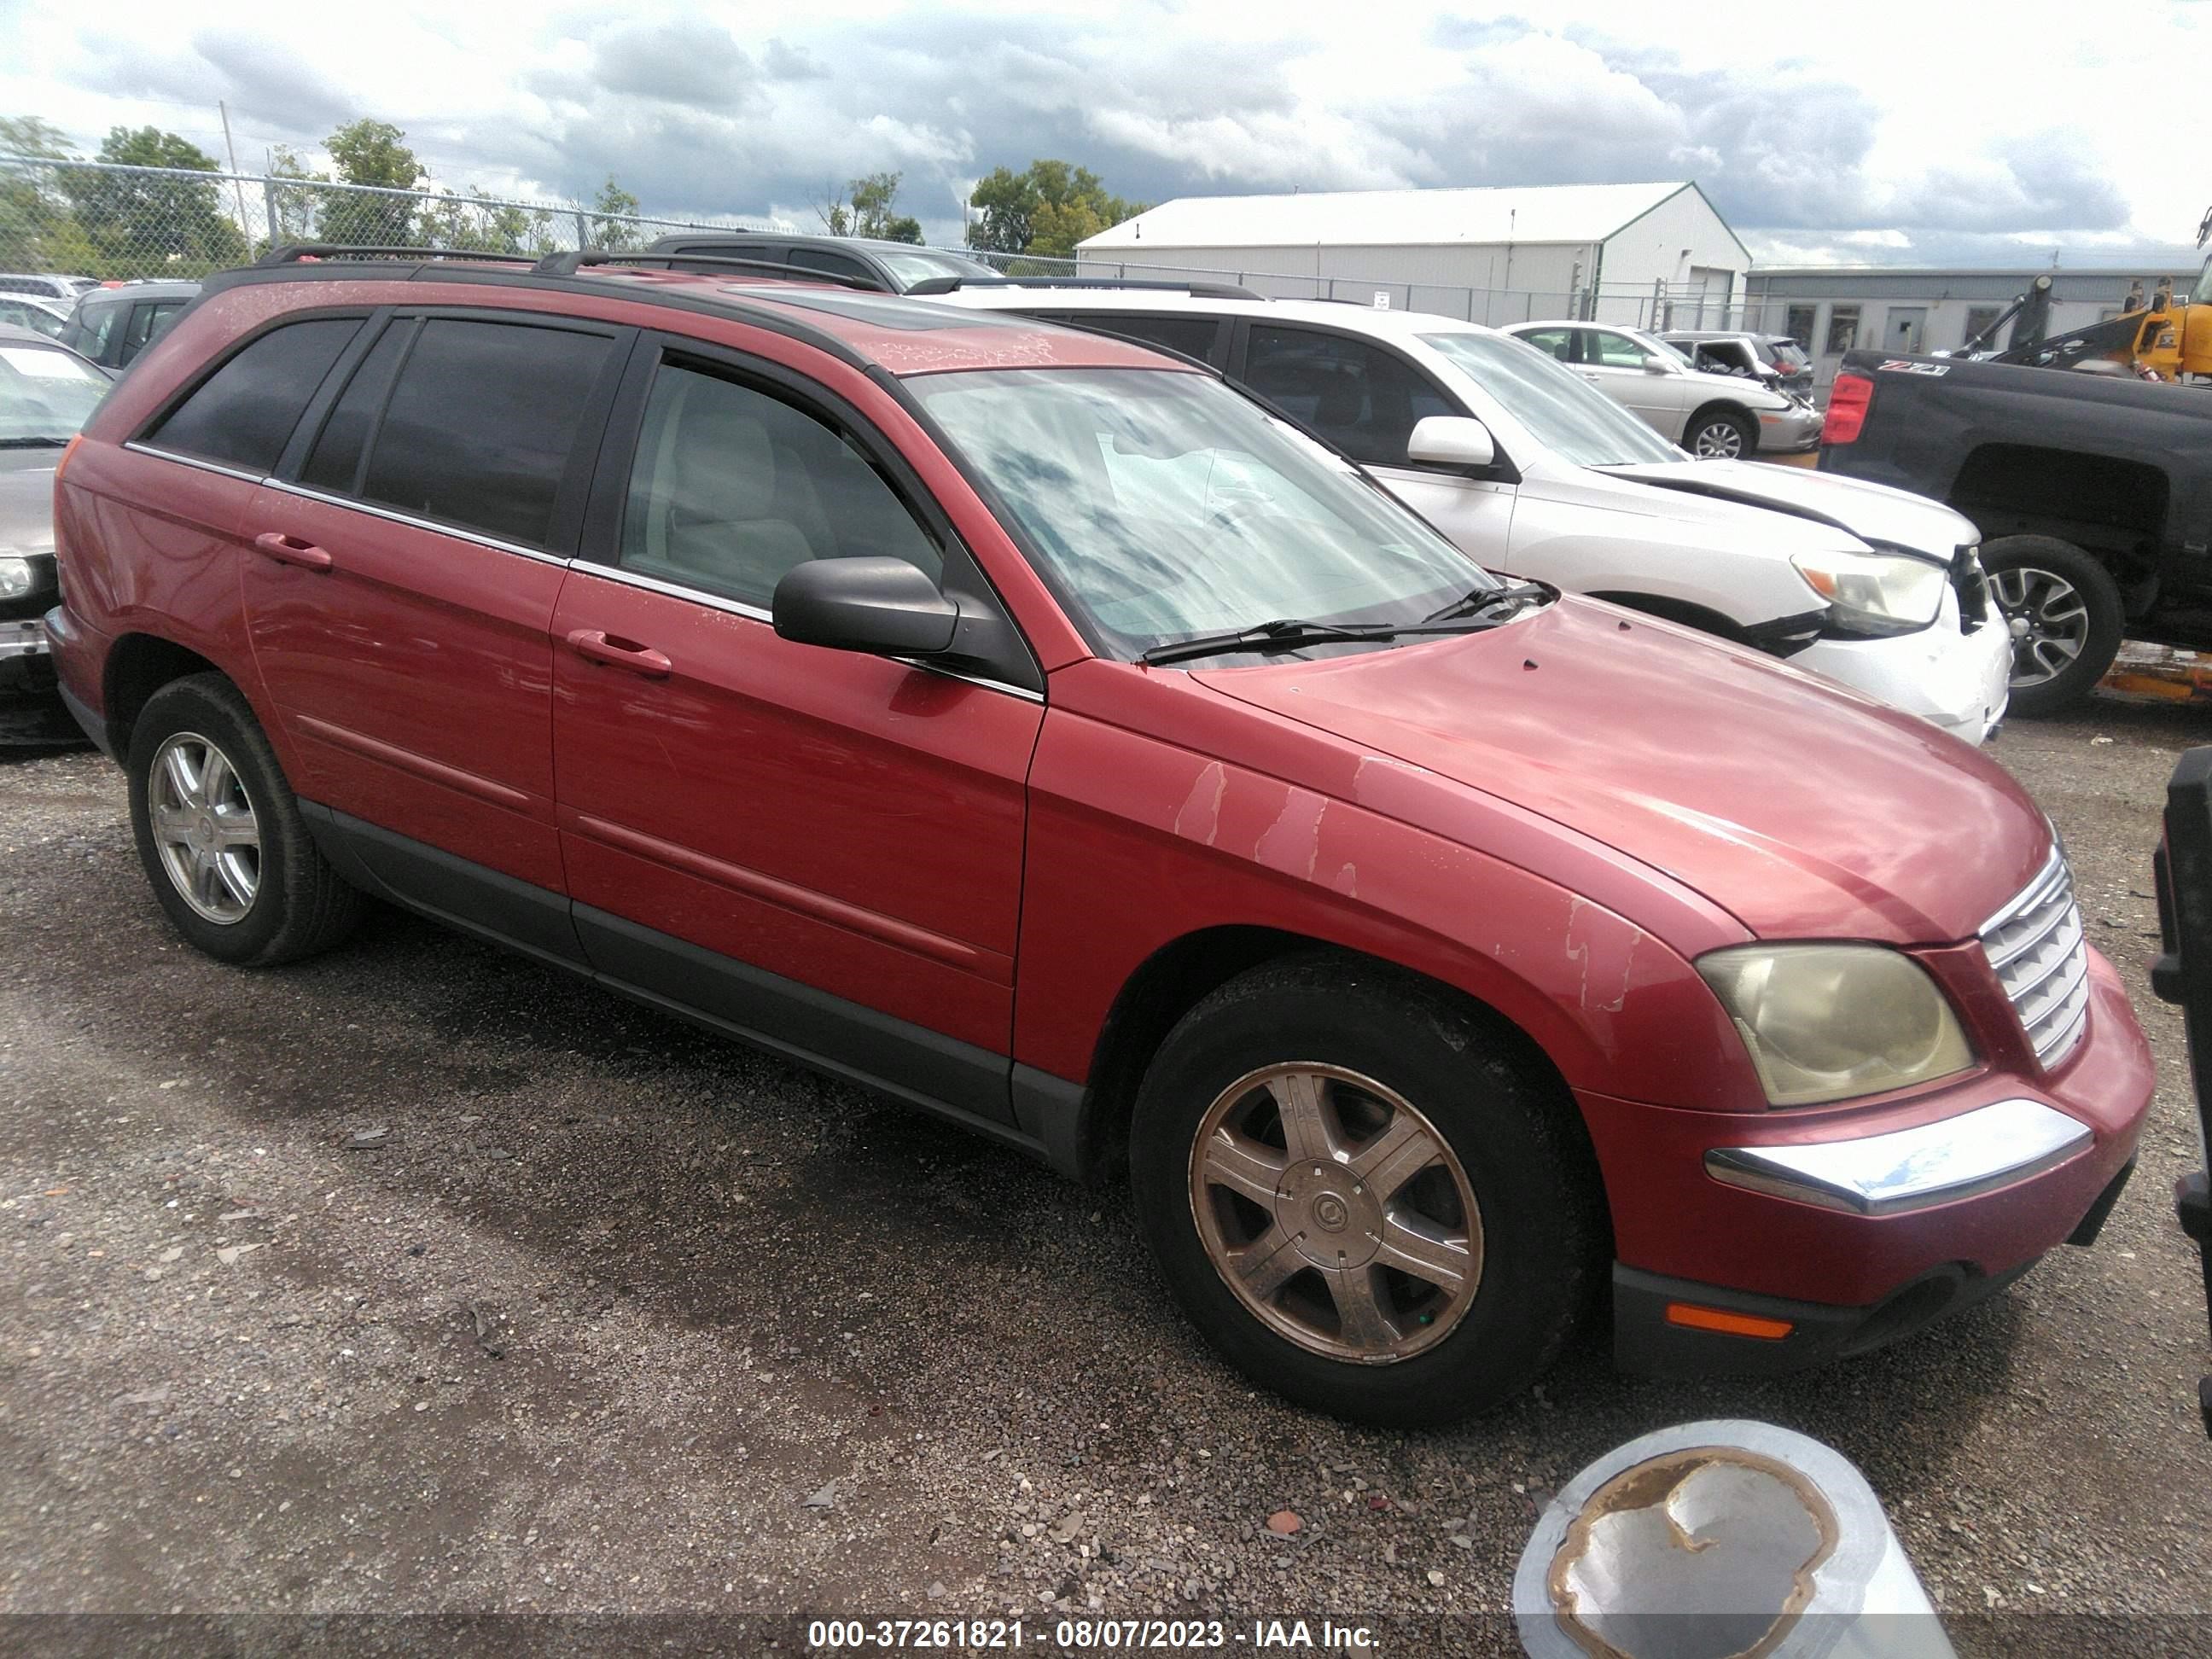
x: 1876, y: 592
x: 1832, y: 1022
x: 15, y: 577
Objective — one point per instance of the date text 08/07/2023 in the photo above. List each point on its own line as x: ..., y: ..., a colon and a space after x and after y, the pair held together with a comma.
x: 1087, y: 1635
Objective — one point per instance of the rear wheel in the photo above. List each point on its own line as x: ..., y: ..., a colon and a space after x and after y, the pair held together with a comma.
x: 221, y: 836
x: 1364, y: 1194
x: 1720, y: 435
x: 2065, y: 614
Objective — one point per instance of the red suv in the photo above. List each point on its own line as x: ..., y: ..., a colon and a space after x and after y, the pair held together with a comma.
x: 1031, y: 727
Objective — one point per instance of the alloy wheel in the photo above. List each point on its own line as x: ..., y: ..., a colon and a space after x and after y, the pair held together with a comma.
x: 1336, y: 1212
x: 2048, y: 619
x: 205, y: 828
x: 1719, y: 441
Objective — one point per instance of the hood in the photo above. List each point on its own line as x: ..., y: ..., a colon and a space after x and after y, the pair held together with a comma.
x: 26, y: 500
x: 1802, y: 809
x: 1876, y: 513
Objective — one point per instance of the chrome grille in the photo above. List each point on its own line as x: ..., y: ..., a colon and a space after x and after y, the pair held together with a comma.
x: 2041, y: 956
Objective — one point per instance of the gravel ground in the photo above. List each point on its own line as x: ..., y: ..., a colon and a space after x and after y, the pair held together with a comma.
x: 420, y: 1279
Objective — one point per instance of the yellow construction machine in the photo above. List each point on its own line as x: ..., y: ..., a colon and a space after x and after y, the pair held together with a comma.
x: 2154, y: 339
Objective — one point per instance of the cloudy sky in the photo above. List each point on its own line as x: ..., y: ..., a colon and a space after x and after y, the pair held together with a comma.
x: 1870, y: 131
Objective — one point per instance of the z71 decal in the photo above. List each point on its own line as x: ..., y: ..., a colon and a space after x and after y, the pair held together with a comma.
x: 1906, y: 366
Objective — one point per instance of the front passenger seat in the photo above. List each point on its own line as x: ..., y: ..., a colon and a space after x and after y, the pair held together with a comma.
x: 721, y: 493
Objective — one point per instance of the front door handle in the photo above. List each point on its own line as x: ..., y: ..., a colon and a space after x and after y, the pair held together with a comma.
x: 290, y: 550
x: 614, y: 652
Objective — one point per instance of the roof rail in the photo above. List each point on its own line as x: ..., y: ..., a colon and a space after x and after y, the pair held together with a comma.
x: 930, y: 285
x: 569, y: 263
x: 293, y: 252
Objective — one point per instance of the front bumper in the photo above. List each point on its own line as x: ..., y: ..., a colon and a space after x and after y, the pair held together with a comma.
x: 1959, y: 681
x: 1789, y: 431
x: 1846, y: 1249
x: 25, y: 664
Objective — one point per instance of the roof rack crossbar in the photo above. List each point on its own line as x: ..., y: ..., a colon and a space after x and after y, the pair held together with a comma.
x: 930, y: 285
x: 293, y: 252
x: 569, y: 263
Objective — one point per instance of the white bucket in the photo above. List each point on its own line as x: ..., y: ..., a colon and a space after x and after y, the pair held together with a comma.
x: 1729, y: 1539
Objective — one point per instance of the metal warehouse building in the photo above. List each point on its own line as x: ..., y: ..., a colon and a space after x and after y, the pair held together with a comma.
x: 1493, y: 255
x: 1832, y: 309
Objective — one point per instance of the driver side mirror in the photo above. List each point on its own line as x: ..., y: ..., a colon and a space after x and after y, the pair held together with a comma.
x: 1454, y: 441
x: 886, y: 607
x: 1655, y: 364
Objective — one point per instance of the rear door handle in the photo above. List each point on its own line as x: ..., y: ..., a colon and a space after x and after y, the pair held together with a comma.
x: 620, y: 653
x: 290, y: 550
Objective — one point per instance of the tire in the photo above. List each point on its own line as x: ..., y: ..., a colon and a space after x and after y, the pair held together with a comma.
x: 2072, y: 610
x: 1535, y: 1237
x: 1720, y: 435
x: 220, y: 833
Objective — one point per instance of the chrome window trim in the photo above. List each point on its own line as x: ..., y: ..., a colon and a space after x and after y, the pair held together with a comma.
x: 375, y: 510
x: 1978, y: 1152
x: 159, y: 453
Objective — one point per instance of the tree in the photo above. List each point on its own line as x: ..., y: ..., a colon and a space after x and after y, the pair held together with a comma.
x: 371, y: 154
x: 146, y: 224
x: 38, y: 229
x: 864, y: 209
x: 613, y: 208
x: 1044, y: 210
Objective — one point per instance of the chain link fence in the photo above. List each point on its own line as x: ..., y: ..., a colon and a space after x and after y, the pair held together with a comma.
x: 114, y: 223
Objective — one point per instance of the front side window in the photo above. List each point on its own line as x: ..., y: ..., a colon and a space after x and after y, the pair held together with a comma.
x: 147, y: 322
x: 1162, y: 505
x: 45, y: 395
x: 1613, y: 350
x: 1561, y: 411
x: 731, y: 487
x: 1361, y: 397
x: 243, y: 414
x: 479, y: 428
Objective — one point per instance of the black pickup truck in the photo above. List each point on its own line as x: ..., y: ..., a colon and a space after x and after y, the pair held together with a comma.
x: 2093, y: 494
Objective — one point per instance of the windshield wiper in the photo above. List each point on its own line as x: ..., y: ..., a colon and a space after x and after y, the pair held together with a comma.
x: 34, y: 443
x: 1483, y: 601
x: 1288, y: 633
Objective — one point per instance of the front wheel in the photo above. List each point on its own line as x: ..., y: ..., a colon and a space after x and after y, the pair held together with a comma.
x: 1364, y: 1193
x: 2065, y: 614
x: 1720, y: 435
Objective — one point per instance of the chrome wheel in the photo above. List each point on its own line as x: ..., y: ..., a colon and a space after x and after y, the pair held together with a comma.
x: 205, y: 828
x: 1719, y: 440
x: 1336, y: 1212
x: 2049, y: 620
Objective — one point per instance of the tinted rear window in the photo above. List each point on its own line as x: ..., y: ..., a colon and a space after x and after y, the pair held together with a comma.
x: 1193, y: 336
x: 479, y: 428
x: 244, y: 413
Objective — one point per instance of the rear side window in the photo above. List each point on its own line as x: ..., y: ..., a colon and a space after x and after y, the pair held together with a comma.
x: 147, y: 322
x: 1193, y: 336
x: 335, y: 463
x: 243, y: 414
x: 837, y: 264
x: 479, y: 430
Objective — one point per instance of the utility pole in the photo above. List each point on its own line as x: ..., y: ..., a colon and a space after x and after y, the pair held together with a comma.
x: 237, y: 185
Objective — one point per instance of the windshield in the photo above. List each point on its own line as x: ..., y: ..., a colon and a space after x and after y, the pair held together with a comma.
x: 1566, y: 413
x: 45, y: 394
x: 2202, y: 296
x: 921, y: 263
x: 1163, y: 506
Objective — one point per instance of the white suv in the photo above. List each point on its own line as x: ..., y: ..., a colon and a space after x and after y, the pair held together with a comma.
x: 1714, y: 416
x: 1530, y: 471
